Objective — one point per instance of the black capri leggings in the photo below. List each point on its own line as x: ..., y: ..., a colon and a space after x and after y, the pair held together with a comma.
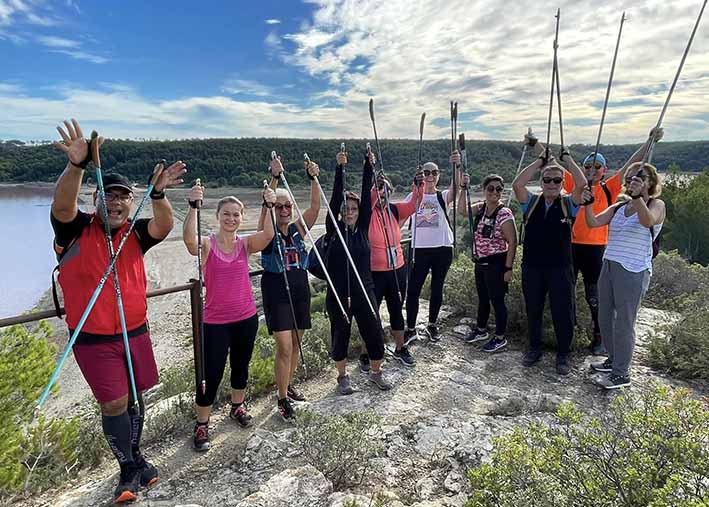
x: 385, y: 287
x: 235, y: 339
x: 438, y: 261
x: 491, y: 288
x: 340, y: 330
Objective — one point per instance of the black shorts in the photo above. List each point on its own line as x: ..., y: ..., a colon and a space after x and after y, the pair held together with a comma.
x: 276, y: 306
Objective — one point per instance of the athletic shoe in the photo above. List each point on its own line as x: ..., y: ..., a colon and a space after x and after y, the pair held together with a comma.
x: 410, y: 336
x: 496, y: 343
x: 343, y: 385
x: 604, y: 367
x: 562, y: 364
x: 200, y: 438
x: 286, y: 410
x: 128, y: 485
x: 148, y: 472
x: 433, y: 334
x: 294, y: 394
x: 378, y: 378
x: 404, y: 356
x: 616, y: 381
x: 476, y: 336
x: 364, y: 363
x: 239, y: 414
x: 531, y: 357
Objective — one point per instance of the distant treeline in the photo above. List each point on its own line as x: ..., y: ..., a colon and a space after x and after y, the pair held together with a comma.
x: 243, y: 162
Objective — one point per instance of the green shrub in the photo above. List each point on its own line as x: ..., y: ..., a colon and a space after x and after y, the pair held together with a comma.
x: 676, y: 283
x: 340, y: 446
x: 459, y: 290
x: 36, y: 453
x: 646, y: 449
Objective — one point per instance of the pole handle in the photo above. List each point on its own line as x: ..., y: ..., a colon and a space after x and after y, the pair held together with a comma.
x: 94, y: 147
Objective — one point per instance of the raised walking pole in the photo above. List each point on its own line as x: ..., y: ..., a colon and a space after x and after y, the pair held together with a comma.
x: 96, y: 293
x: 282, y: 178
x: 201, y: 373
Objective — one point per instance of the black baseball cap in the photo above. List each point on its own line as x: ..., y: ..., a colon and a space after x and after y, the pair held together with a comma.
x: 113, y: 180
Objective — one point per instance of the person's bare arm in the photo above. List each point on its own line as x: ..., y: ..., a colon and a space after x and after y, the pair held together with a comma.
x: 310, y: 215
x: 579, y: 178
x: 510, y: 234
x: 603, y: 218
x: 260, y: 240
x: 640, y: 152
x: 519, y: 185
x: 162, y: 222
x: 189, y: 226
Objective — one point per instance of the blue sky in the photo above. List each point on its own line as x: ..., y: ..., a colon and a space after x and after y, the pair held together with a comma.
x: 307, y: 69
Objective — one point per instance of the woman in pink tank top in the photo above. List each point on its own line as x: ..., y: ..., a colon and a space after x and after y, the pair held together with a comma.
x: 230, y: 317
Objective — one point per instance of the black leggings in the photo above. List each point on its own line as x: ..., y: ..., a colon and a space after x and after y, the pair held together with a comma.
x: 385, y: 286
x: 235, y: 339
x: 588, y: 259
x: 437, y: 261
x: 370, y: 327
x: 491, y: 287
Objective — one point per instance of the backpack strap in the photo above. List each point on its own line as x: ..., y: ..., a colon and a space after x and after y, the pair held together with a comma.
x: 607, y: 192
x: 442, y: 203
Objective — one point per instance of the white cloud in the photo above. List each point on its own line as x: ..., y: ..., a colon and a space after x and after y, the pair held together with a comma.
x: 246, y: 87
x: 58, y: 42
x: 82, y: 55
x: 273, y: 21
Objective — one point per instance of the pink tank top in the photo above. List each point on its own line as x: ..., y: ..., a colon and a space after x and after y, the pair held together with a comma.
x: 230, y: 297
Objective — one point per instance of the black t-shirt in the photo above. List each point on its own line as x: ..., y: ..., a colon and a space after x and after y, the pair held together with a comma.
x: 65, y: 233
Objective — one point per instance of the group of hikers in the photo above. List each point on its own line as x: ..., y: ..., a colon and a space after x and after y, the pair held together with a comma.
x: 580, y: 222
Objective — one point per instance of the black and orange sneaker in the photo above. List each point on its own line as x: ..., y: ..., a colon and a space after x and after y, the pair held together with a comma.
x: 128, y: 485
x: 148, y: 472
x: 200, y: 437
x: 286, y: 410
x: 239, y: 414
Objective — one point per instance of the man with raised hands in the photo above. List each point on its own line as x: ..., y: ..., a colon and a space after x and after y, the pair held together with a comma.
x: 81, y: 247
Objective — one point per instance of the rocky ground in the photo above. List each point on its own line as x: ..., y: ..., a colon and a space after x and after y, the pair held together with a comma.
x: 437, y: 422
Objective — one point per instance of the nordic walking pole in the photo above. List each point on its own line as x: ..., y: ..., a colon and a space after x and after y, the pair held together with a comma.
x: 347, y: 230
x: 277, y: 238
x: 412, y: 245
x: 519, y: 166
x: 202, y: 378
x: 384, y: 206
x: 109, y: 243
x: 347, y: 251
x: 309, y: 234
x: 605, y: 107
x: 97, y: 291
x: 464, y: 158
x: 647, y: 158
x: 454, y: 131
x: 553, y: 78
x: 558, y: 103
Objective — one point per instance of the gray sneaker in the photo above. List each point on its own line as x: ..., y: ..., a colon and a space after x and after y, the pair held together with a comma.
x: 378, y: 378
x: 404, y: 356
x: 343, y: 385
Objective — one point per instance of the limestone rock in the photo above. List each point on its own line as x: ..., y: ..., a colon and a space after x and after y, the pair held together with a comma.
x: 295, y: 487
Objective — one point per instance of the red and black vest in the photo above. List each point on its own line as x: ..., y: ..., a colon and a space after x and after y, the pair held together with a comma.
x: 80, y: 270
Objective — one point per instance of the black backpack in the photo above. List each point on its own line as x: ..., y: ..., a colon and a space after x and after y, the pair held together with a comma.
x: 323, y: 245
x: 656, y: 238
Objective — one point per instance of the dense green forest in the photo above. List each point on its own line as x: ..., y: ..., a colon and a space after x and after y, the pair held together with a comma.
x: 243, y: 162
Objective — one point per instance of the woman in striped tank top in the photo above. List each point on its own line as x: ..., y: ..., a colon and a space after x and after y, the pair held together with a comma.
x: 230, y: 318
x: 634, y: 223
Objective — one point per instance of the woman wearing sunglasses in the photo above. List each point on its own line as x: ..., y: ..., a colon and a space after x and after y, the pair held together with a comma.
x: 354, y: 222
x: 230, y: 318
x: 494, y: 247
x: 434, y: 248
x: 276, y: 303
x: 633, y: 224
x: 546, y: 262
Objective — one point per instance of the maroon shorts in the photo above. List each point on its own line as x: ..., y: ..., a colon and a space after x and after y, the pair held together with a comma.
x: 105, y: 368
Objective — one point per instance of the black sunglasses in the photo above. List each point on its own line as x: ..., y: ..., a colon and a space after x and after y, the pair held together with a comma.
x: 588, y: 166
x: 493, y: 188
x: 556, y: 181
x: 281, y: 206
x: 427, y: 172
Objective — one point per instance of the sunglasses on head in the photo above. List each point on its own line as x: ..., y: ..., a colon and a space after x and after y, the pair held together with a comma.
x: 494, y: 188
x: 556, y: 181
x: 279, y: 207
x: 429, y: 172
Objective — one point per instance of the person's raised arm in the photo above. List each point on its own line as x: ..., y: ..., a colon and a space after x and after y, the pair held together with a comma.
x: 162, y: 222
x: 603, y: 218
x: 337, y: 198
x: 66, y: 192
x: 310, y: 215
x: 579, y: 178
x: 519, y: 185
x: 189, y: 226
x: 261, y: 239
x: 409, y: 206
x: 276, y: 168
x: 453, y: 189
x: 648, y: 216
x: 640, y: 152
x: 365, y: 207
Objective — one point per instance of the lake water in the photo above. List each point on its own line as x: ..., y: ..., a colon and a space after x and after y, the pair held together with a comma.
x: 26, y: 256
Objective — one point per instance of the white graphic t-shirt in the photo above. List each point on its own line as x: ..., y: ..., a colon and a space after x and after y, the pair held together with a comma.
x: 432, y: 228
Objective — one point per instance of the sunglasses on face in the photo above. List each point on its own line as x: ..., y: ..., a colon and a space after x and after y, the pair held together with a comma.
x: 588, y: 166
x: 428, y: 172
x: 493, y: 188
x: 124, y: 198
x: 556, y: 181
x: 628, y: 181
x: 279, y: 207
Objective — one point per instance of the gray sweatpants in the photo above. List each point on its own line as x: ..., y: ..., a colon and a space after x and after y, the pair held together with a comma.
x: 619, y: 294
